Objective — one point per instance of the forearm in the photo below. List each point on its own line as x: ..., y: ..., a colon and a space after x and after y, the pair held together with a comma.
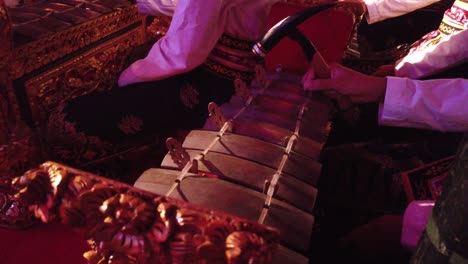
x: 156, y: 7
x: 433, y: 104
x: 447, y: 53
x: 378, y: 10
x: 193, y: 33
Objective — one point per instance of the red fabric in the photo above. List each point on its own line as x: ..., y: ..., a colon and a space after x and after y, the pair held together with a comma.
x: 42, y: 244
x: 329, y: 31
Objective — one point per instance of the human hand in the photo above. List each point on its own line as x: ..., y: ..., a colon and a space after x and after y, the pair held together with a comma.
x: 359, y: 87
x: 122, y: 79
x: 127, y: 76
x: 385, y: 70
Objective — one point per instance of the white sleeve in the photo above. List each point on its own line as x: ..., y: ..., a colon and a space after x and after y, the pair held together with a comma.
x: 193, y: 33
x: 156, y: 7
x: 448, y: 52
x: 415, y: 219
x: 433, y: 104
x: 378, y: 10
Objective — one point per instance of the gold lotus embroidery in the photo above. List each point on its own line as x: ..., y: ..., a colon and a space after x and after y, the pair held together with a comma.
x: 189, y: 96
x: 130, y: 124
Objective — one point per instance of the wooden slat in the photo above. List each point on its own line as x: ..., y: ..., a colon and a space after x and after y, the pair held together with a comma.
x: 256, y: 150
x: 253, y: 175
x: 295, y: 225
x: 281, y: 108
x: 277, y: 135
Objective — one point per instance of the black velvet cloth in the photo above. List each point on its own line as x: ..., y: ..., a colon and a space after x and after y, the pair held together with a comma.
x: 101, y: 124
x: 161, y: 106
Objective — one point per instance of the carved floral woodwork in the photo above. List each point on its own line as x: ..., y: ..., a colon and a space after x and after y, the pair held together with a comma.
x: 37, y: 54
x: 15, y: 158
x: 6, y: 35
x: 12, y: 126
x: 17, y: 153
x: 95, y: 70
x: 92, y: 60
x: 127, y: 225
x: 13, y: 214
x: 18, y: 156
x: 158, y: 27
x: 5, y: 47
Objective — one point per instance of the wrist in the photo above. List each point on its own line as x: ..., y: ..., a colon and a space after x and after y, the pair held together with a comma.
x: 380, y: 84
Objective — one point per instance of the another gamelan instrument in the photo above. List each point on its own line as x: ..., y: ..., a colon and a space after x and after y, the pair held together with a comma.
x: 124, y: 224
x: 51, y: 51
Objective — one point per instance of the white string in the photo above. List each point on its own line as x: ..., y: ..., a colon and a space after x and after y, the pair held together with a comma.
x: 274, y: 181
x: 220, y: 134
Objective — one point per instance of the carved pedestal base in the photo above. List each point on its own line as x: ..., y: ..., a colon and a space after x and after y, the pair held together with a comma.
x: 124, y: 224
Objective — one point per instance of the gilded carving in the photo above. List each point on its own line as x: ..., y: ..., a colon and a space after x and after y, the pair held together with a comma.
x: 158, y: 27
x: 16, y: 157
x: 128, y: 225
x: 6, y: 37
x: 12, y: 126
x: 37, y: 54
x: 12, y: 212
x: 5, y: 47
x: 95, y: 70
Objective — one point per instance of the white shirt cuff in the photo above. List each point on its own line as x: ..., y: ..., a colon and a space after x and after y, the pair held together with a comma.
x: 372, y: 14
x: 156, y: 7
x: 392, y: 110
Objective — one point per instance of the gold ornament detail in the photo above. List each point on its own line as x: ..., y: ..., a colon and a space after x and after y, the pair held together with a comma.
x: 126, y: 225
x: 95, y: 70
x: 37, y: 54
x: 158, y: 28
x: 6, y: 35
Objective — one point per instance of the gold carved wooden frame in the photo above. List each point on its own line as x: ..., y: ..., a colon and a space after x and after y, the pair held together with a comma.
x: 129, y: 225
x: 37, y: 54
x: 94, y: 70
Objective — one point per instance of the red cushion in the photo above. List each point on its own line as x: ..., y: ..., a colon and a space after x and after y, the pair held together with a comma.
x: 329, y: 31
x: 42, y: 244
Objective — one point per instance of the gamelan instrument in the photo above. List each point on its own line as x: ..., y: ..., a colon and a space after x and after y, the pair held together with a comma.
x: 257, y: 157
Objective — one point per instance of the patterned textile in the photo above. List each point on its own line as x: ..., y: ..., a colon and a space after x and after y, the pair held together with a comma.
x: 100, y: 124
x: 400, y: 32
x: 455, y: 20
x: 389, y: 40
x: 426, y: 182
x: 233, y: 59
